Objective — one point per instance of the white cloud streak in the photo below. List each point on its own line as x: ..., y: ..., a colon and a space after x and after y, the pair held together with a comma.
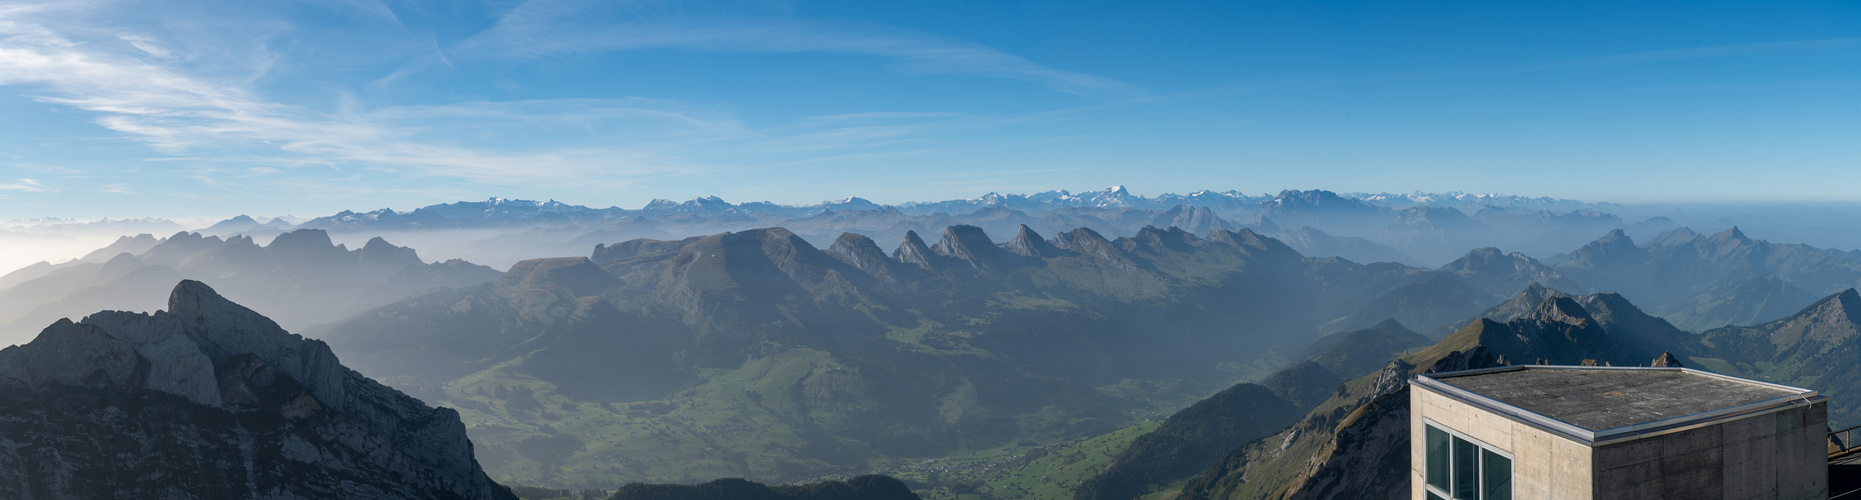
x: 540, y: 28
x: 27, y: 185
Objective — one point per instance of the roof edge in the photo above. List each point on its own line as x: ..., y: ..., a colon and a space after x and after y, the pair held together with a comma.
x: 1594, y: 438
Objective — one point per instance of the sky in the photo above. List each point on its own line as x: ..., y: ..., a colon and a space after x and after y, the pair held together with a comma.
x: 192, y: 109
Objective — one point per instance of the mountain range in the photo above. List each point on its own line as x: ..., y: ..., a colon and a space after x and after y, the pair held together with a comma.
x: 1413, y: 229
x: 301, y: 278
x: 866, y: 356
x: 839, y: 356
x: 962, y: 363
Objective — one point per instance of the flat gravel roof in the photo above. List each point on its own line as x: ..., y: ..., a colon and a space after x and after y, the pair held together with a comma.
x: 1598, y: 399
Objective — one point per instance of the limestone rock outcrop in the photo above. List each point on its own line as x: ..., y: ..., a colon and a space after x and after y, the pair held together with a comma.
x: 209, y: 399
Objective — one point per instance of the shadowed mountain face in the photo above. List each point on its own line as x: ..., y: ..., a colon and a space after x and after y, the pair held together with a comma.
x: 300, y: 277
x: 1353, y: 354
x: 1435, y: 301
x: 958, y: 344
x: 1817, y: 347
x: 1358, y: 448
x: 1702, y: 282
x: 1191, y: 438
x: 208, y: 399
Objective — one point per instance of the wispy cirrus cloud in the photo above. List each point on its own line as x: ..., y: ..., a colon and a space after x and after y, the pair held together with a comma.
x: 538, y: 28
x: 27, y: 185
x: 217, y: 110
x: 138, y: 87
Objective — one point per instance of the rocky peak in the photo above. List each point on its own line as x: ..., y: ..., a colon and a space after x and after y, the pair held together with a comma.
x: 222, y: 328
x: 1393, y: 377
x: 180, y: 246
x: 576, y: 275
x: 1155, y: 240
x: 1667, y: 360
x: 1253, y: 243
x: 1840, y: 309
x: 1730, y: 235
x: 1315, y: 199
x: 1561, y: 310
x: 1028, y: 243
x: 1538, y: 293
x: 1192, y: 219
x: 301, y: 243
x: 1675, y: 237
x: 1615, y: 249
x: 1616, y: 237
x: 1472, y: 358
x: 1089, y: 243
x: 213, y: 381
x: 969, y: 244
x: 1610, y: 307
x: 123, y: 244
x: 913, y: 251
x: 1491, y: 261
x: 860, y: 252
x: 379, y: 250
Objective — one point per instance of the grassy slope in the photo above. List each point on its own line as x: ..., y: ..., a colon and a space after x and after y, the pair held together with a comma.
x: 749, y: 421
x: 738, y: 424
x: 1008, y: 473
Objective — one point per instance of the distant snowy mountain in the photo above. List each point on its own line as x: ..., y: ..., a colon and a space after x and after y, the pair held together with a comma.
x: 1426, y: 228
x: 1234, y: 205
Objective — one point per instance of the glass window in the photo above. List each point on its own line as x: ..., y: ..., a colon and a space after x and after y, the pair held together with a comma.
x: 1497, y: 475
x: 1466, y: 470
x: 1459, y: 468
x: 1437, y: 458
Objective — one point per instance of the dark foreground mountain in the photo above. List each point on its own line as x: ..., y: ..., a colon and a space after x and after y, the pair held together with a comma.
x: 858, y: 488
x: 1356, y: 444
x: 1189, y: 439
x: 208, y: 399
x: 301, y: 278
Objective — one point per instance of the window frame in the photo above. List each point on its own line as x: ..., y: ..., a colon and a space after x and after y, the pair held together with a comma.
x: 1480, y: 472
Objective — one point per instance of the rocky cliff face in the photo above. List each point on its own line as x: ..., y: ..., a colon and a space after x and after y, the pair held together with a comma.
x: 209, y: 399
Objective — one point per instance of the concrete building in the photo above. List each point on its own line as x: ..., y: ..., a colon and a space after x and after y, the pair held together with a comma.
x: 1579, y: 432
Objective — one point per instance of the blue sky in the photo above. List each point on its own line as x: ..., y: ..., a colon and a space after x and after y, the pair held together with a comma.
x: 208, y: 109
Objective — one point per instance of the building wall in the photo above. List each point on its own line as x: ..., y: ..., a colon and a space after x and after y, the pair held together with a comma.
x: 1544, y: 466
x: 1779, y: 455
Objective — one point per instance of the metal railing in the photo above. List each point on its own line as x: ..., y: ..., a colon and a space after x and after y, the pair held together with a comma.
x: 1841, y: 443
